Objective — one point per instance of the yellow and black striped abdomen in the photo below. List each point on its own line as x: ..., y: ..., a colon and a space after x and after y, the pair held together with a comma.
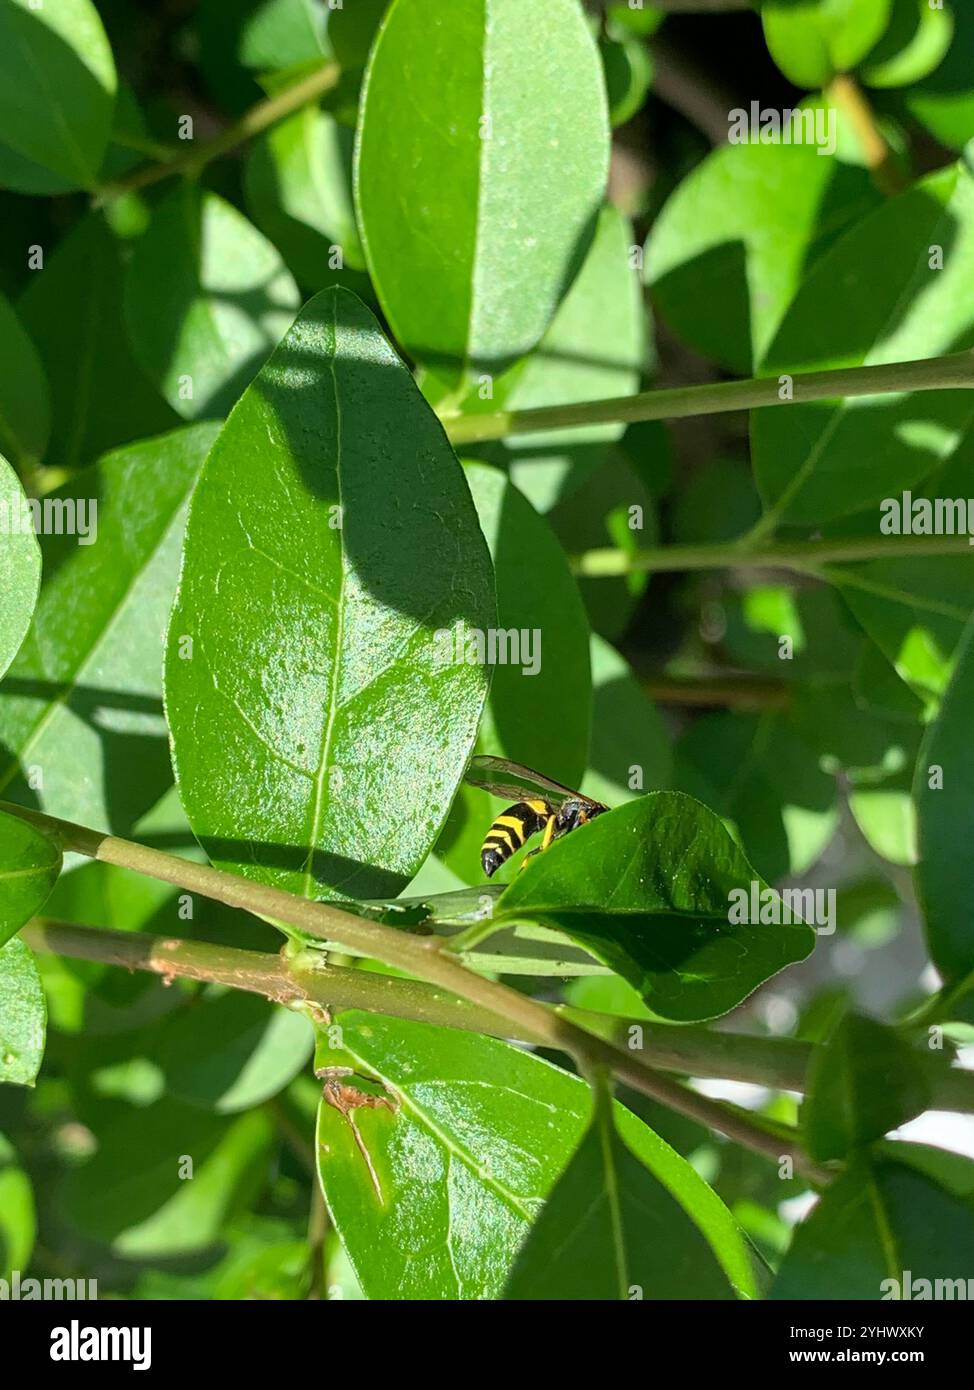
x: 510, y: 830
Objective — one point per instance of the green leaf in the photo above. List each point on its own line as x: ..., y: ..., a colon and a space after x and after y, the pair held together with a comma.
x: 352, y: 30
x: 536, y: 596
x: 610, y: 507
x: 624, y: 18
x: 943, y: 102
x: 20, y: 566
x: 475, y: 220
x: 758, y: 772
x: 647, y: 890
x: 25, y: 407
x: 615, y: 1228
x: 23, y: 1012
x: 72, y: 310
x: 231, y: 1051
x: 80, y: 709
x: 320, y: 724
x: 813, y: 40
x: 944, y: 799
x: 57, y: 90
x: 593, y: 350
x: 206, y: 300
x: 481, y: 1134
x: 165, y: 1177
x: 18, y: 1218
x: 629, y: 738
x: 628, y: 73
x: 873, y: 1224
x: 915, y: 43
x: 29, y: 865
x: 739, y: 235
x: 298, y: 182
x: 883, y: 302
x: 865, y: 1081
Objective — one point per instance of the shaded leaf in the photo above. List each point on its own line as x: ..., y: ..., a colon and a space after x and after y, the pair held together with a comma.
x: 206, y: 300
x: 875, y: 1223
x: 231, y: 1052
x: 885, y: 299
x: 25, y: 407
x: 944, y: 794
x: 615, y: 1225
x: 165, y: 1178
x: 18, y: 1220
x: 57, y: 90
x: 734, y: 242
x: 72, y: 310
x: 29, y: 865
x: 863, y: 1082
x: 81, y: 704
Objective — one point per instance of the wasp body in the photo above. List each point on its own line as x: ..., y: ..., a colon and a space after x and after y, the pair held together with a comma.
x: 554, y: 813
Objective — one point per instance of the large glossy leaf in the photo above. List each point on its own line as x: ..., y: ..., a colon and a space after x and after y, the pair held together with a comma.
x: 944, y: 792
x: 479, y: 180
x: 81, y: 727
x: 875, y: 1223
x: 812, y: 40
x: 20, y: 566
x: 733, y: 243
x: 646, y: 888
x: 23, y: 1014
x: 319, y: 724
x: 593, y: 350
x: 207, y: 298
x: 454, y: 1180
x: 299, y: 192
x: 884, y: 301
x: 72, y: 310
x: 613, y: 1228
x: 536, y: 595
x: 863, y: 1082
x: 29, y: 865
x: 25, y: 406
x: 57, y: 90
x: 165, y: 1177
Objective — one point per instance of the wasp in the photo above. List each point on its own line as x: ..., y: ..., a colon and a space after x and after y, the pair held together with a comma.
x: 553, y: 812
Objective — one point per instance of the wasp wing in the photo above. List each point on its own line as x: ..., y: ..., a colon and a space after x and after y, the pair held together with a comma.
x: 515, y: 782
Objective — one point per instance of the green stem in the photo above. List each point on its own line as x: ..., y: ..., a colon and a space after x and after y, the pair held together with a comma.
x: 310, y: 980
x: 802, y: 556
x: 424, y: 958
x: 676, y: 403
x: 266, y: 113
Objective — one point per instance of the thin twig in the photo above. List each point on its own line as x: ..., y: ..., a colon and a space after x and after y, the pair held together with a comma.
x: 264, y: 114
x: 717, y: 398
